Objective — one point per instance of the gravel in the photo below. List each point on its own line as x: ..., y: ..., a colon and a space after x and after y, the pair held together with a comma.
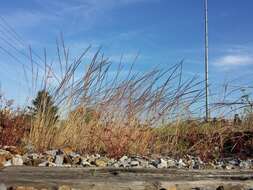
x: 61, y: 158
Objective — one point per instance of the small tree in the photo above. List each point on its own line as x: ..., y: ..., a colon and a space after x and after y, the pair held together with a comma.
x: 43, y: 106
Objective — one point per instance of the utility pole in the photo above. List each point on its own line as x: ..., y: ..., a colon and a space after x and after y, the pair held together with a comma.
x: 207, y: 115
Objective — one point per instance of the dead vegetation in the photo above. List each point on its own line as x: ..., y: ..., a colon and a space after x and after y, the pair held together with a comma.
x: 103, y: 109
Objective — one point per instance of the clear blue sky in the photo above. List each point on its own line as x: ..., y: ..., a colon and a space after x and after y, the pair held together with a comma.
x: 163, y: 32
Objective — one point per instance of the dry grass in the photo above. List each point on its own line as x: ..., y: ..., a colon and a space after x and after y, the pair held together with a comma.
x: 112, y: 112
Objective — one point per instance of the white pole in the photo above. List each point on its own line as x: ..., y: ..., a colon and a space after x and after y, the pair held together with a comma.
x: 206, y: 62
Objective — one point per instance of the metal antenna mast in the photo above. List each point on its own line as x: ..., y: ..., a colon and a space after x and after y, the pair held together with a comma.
x: 206, y: 62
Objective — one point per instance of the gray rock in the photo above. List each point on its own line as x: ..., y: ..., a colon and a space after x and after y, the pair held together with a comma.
x: 123, y: 158
x: 124, y: 164
x: 181, y: 164
x: 247, y: 164
x: 17, y: 160
x: 162, y: 164
x: 52, y: 152
x: 134, y: 163
x: 47, y: 163
x: 171, y: 163
x: 234, y: 162
x: 194, y: 164
x: 230, y: 167
x: 85, y: 163
x: 59, y: 160
x: 7, y: 163
x: 154, y: 163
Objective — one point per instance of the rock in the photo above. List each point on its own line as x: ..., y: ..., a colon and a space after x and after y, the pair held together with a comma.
x: 17, y: 160
x: 59, y: 160
x: 48, y: 164
x: 143, y: 163
x: 7, y: 163
x: 52, y: 153
x: 247, y: 164
x: 134, y: 163
x: 43, y: 164
x: 151, y: 166
x: 50, y: 158
x: 67, y: 165
x: 171, y: 163
x: 234, y: 162
x: 124, y: 164
x: 181, y: 164
x: 194, y: 164
x: 101, y: 162
x: 116, y: 165
x: 74, y: 155
x: 123, y: 158
x: 85, y: 163
x: 33, y: 156
x: 230, y: 167
x: 162, y: 164
x: 76, y: 160
x: 155, y: 163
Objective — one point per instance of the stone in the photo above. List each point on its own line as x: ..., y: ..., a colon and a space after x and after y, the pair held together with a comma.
x: 134, y: 163
x: 33, y: 156
x: 171, y: 163
x: 162, y: 164
x: 230, y: 167
x: 52, y: 153
x: 194, y: 164
x: 50, y: 158
x: 67, y: 165
x: 17, y: 160
x: 85, y: 163
x: 76, y: 160
x: 246, y: 164
x: 143, y: 163
x: 124, y: 164
x: 100, y: 162
x: 7, y: 163
x: 37, y: 161
x: 151, y: 166
x: 181, y: 164
x: 155, y: 163
x: 59, y: 160
x: 123, y: 158
x: 234, y: 162
x: 47, y: 164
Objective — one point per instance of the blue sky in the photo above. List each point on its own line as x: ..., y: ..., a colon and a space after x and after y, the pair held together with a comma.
x: 162, y: 32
